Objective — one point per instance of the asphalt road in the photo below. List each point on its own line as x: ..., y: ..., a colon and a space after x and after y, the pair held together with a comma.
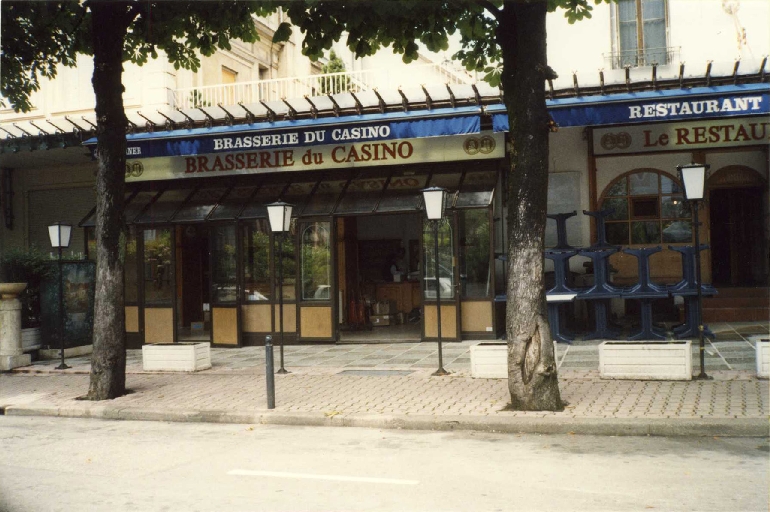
x: 50, y: 464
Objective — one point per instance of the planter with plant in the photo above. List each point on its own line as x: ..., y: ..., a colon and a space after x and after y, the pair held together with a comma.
x: 29, y: 266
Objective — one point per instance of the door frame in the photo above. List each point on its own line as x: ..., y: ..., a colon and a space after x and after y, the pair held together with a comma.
x: 451, y: 218
x: 143, y: 306
x: 333, y: 289
x: 236, y: 305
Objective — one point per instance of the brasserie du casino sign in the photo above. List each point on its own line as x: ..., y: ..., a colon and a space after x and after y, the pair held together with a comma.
x: 311, y: 148
x: 722, y: 133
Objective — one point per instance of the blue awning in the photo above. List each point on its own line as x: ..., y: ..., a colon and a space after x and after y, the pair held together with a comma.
x: 303, y: 133
x: 652, y: 106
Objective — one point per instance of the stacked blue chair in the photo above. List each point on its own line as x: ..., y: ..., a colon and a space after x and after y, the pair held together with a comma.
x: 687, y: 288
x: 645, y: 291
x: 602, y: 291
x: 561, y: 293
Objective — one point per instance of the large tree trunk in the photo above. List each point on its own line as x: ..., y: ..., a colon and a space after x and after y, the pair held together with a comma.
x: 532, y: 378
x: 108, y: 362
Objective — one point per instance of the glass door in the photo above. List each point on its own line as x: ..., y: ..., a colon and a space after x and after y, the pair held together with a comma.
x: 225, y: 304
x: 446, y: 284
x: 316, y: 287
x: 158, y: 285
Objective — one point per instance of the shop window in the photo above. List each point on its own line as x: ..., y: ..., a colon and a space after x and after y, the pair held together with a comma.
x: 223, y: 264
x: 158, y: 283
x: 289, y: 261
x: 256, y: 260
x: 316, y: 262
x: 130, y: 269
x: 647, y: 208
x: 445, y: 267
x: 641, y: 33
x: 474, y: 254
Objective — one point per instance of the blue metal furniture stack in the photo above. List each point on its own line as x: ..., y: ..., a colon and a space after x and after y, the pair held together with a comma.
x: 602, y: 291
x: 687, y: 288
x: 645, y: 292
x: 561, y: 293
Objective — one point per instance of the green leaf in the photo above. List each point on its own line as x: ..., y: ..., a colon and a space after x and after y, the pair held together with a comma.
x: 282, y: 33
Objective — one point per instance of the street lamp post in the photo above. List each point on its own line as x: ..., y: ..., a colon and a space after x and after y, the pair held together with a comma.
x: 693, y: 177
x: 434, y: 209
x: 59, y: 234
x: 280, y: 222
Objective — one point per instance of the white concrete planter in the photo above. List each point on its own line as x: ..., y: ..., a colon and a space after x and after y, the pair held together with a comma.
x: 489, y: 361
x: 30, y: 339
x: 176, y: 357
x: 762, y: 347
x: 645, y: 360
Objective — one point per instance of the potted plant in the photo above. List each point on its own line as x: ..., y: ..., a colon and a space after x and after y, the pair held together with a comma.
x: 28, y: 266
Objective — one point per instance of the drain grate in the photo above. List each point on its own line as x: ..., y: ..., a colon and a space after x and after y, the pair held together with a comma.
x: 377, y: 373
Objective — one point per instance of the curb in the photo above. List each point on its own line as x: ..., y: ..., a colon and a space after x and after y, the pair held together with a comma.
x: 726, y: 427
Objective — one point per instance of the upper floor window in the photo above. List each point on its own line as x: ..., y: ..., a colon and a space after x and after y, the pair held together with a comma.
x: 641, y: 33
x: 229, y: 76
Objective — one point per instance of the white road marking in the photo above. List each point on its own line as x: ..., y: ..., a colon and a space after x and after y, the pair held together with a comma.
x: 337, y: 478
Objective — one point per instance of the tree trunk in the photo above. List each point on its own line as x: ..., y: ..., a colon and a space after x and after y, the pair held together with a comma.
x: 532, y: 378
x: 108, y: 362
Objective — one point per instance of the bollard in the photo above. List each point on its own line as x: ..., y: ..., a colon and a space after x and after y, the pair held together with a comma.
x: 269, y: 372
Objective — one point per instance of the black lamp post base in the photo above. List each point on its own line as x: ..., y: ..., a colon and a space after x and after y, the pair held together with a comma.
x: 282, y: 371
x: 441, y: 372
x: 703, y: 376
x: 63, y: 367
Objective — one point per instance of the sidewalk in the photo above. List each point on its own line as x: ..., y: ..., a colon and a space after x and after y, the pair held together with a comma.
x: 390, y: 386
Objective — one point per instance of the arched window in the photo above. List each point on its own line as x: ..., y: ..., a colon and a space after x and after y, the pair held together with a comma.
x: 648, y: 208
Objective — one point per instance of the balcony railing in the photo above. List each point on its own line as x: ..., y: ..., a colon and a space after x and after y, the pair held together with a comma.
x: 315, y: 85
x: 643, y: 57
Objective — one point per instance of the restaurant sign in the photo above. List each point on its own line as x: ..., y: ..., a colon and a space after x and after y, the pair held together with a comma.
x: 484, y: 145
x: 722, y: 133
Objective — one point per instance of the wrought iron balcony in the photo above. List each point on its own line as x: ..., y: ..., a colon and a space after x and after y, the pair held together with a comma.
x: 643, y: 57
x: 315, y: 85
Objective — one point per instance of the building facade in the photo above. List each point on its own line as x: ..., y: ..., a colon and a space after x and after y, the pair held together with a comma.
x: 208, y: 151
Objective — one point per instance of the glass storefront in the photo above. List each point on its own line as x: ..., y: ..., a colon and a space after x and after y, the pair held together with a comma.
x: 316, y: 262
x: 158, y: 282
x: 131, y: 270
x: 255, y: 257
x: 203, y: 259
x: 289, y: 250
x: 475, y: 271
x: 445, y: 260
x: 223, y: 264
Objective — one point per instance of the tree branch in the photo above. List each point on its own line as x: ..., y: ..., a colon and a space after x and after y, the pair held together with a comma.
x: 490, y: 7
x: 134, y: 10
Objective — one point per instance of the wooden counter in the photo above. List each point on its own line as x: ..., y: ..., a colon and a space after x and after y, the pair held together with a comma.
x: 406, y: 294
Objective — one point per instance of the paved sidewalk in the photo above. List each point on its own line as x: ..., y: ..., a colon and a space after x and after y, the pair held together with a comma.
x: 390, y: 386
